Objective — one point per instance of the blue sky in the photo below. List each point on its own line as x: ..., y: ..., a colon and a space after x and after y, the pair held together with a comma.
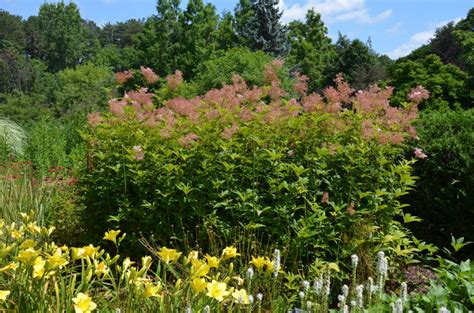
x: 395, y: 27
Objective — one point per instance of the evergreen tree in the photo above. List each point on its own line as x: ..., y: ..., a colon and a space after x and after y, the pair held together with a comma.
x: 259, y: 24
x: 159, y: 42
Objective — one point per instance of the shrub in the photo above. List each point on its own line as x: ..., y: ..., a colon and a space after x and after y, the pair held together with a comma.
x: 444, y: 195
x: 321, y: 177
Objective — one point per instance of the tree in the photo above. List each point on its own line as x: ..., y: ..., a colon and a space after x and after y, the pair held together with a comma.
x: 120, y: 34
x: 226, y: 36
x: 311, y: 49
x: 445, y: 82
x: 359, y: 64
x: 62, y: 35
x: 199, y: 23
x: 11, y: 31
x: 160, y: 41
x: 259, y: 23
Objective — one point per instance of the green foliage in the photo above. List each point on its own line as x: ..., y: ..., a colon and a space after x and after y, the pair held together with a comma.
x: 11, y: 30
x: 453, y: 290
x: 84, y: 89
x: 444, y: 196
x: 61, y: 35
x: 446, y: 83
x: 311, y: 49
x: 359, y: 64
x: 12, y: 139
x: 239, y: 61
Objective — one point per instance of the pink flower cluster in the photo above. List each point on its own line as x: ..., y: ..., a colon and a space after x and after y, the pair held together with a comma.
x: 123, y: 77
x: 149, y: 75
x: 236, y: 104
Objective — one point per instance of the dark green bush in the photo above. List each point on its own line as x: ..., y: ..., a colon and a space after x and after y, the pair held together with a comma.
x: 311, y: 176
x: 444, y: 195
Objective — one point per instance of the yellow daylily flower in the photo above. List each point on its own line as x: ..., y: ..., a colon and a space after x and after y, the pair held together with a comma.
x: 29, y: 243
x: 90, y: 250
x: 112, y: 235
x: 199, y: 268
x: 198, y: 284
x: 212, y: 261
x: 34, y: 228
x: 57, y: 259
x: 259, y: 262
x: 4, y: 294
x: 217, y: 290
x: 78, y: 253
x: 11, y: 266
x: 15, y: 234
x: 241, y: 296
x: 25, y: 256
x: 83, y: 303
x: 193, y: 255
x: 229, y: 252
x: 100, y: 268
x: 151, y: 290
x: 38, y: 267
x: 126, y: 264
x: 169, y: 255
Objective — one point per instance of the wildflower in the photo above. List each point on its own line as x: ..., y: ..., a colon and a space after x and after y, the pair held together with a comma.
x: 250, y: 273
x: 354, y: 260
x: 138, y: 153
x: 217, y: 290
x: 382, y: 263
x: 345, y: 309
x: 276, y: 262
x: 193, y: 255
x: 169, y: 255
x: 212, y: 261
x: 198, y: 284
x: 57, y: 260
x: 259, y: 262
x: 443, y: 310
x: 309, y: 305
x: 94, y: 119
x: 398, y: 307
x: 418, y: 94
x: 318, y: 285
x: 78, y: 253
x: 342, y: 300
x: 111, y: 235
x: 229, y: 252
x: 419, y: 154
x: 127, y: 263
x: 350, y: 209
x: 188, y: 310
x: 305, y: 285
x: 90, y: 250
x: 360, y: 296
x: 241, y: 296
x: 38, y: 267
x: 251, y: 299
x: 83, y: 303
x: 151, y: 290
x: 10, y: 266
x: 29, y: 243
x: 199, y: 268
x: 4, y: 294
x: 100, y: 268
x: 207, y: 309
x: 345, y: 291
x: 301, y: 294
x: 149, y: 75
x: 404, y: 292
x: 260, y: 296
x: 25, y: 256
x: 122, y: 77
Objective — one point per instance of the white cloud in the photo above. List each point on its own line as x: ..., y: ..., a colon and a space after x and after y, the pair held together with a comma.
x: 334, y: 10
x: 415, y: 41
x: 395, y: 28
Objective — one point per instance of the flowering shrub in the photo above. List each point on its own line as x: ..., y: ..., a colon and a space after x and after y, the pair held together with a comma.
x: 319, y: 176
